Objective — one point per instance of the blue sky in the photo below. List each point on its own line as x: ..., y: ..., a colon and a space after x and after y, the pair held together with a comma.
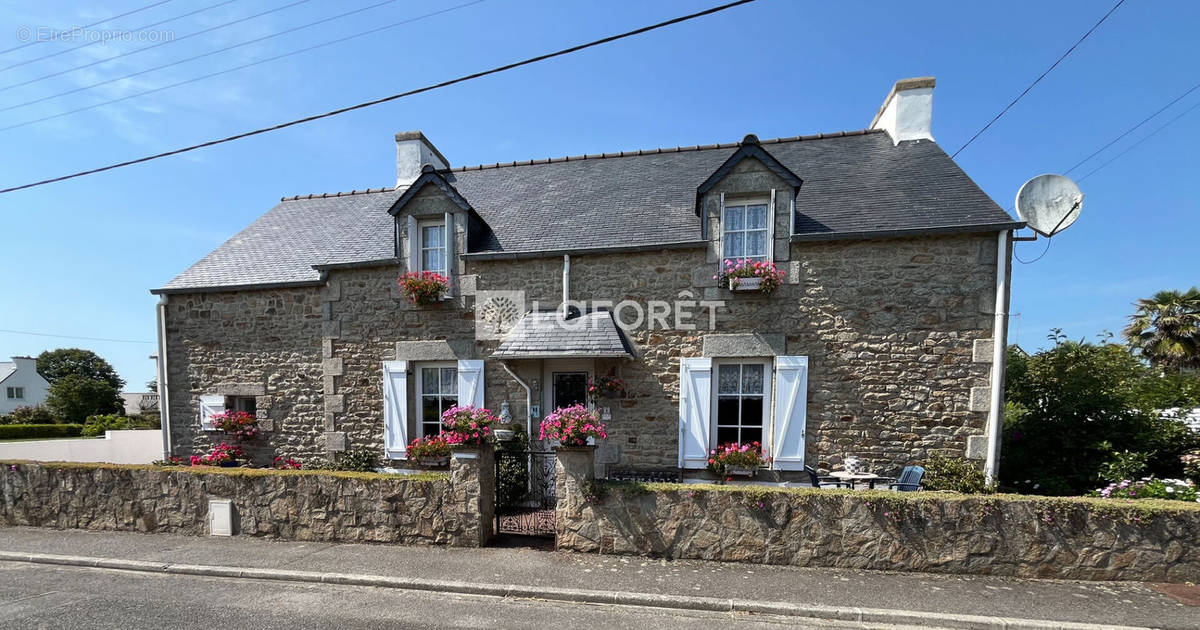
x: 80, y: 256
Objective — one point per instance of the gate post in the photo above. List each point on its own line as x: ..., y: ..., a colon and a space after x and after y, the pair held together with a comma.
x: 574, y: 468
x: 473, y: 491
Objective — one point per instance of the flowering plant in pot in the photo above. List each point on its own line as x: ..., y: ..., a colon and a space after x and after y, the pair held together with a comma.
x: 750, y: 275
x: 572, y: 426
x: 467, y: 425
x: 423, y: 287
x: 728, y: 460
x: 432, y: 450
x: 222, y: 455
x: 240, y: 424
x: 286, y: 463
x: 606, y: 387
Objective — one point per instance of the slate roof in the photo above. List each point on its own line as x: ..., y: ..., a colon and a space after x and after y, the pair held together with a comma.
x: 855, y: 183
x: 7, y: 369
x: 541, y: 335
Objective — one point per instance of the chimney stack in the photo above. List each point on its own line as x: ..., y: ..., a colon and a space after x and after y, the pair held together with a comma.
x: 907, y: 112
x: 413, y: 152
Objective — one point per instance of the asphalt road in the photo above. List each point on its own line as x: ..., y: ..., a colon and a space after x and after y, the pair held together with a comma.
x: 42, y: 596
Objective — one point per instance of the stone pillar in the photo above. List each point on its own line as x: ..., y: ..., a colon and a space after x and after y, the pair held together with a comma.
x: 574, y: 468
x: 473, y: 494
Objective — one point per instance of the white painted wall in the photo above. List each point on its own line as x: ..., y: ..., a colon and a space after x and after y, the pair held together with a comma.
x: 116, y: 447
x: 25, y: 376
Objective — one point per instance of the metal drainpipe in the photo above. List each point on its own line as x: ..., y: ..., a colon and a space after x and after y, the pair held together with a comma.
x: 528, y: 400
x: 999, y: 350
x: 163, y: 386
x: 566, y: 284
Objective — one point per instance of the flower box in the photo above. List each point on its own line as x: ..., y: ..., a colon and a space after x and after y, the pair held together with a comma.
x: 745, y: 284
x: 433, y: 462
x: 739, y: 471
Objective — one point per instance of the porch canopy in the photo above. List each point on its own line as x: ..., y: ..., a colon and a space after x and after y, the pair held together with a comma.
x: 550, y: 335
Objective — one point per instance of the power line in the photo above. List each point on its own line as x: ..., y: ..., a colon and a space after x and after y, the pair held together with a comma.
x: 200, y: 56
x: 386, y: 99
x: 1143, y: 139
x: 132, y: 30
x: 35, y: 40
x: 153, y: 46
x: 1133, y: 128
x: 1039, y: 79
x: 38, y: 334
x: 243, y: 66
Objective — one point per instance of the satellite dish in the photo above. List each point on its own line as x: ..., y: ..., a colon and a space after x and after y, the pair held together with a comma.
x: 1049, y: 204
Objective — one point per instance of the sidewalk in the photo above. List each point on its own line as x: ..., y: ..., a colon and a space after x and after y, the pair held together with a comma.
x: 1117, y: 603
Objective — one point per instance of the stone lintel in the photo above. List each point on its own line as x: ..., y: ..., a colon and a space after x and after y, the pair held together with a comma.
x: 744, y: 345
x: 441, y: 350
x: 240, y: 389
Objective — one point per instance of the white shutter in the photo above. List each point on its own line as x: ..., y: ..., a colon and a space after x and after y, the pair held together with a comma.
x: 470, y: 383
x: 771, y: 228
x: 791, y: 402
x: 210, y: 404
x: 448, y: 239
x: 395, y: 408
x: 695, y: 401
x: 414, y: 244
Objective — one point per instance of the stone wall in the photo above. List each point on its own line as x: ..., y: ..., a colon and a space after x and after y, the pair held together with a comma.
x: 429, y: 508
x: 1088, y: 539
x: 895, y: 330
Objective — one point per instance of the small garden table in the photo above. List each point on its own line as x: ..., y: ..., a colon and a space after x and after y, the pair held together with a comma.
x: 856, y: 478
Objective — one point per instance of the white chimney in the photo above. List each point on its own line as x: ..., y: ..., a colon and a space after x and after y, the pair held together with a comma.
x: 413, y: 152
x: 907, y: 112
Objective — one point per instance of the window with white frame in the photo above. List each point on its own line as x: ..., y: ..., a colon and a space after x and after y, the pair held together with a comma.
x: 437, y: 391
x: 433, y: 246
x: 248, y: 404
x: 740, y: 412
x: 744, y: 231
x: 16, y: 393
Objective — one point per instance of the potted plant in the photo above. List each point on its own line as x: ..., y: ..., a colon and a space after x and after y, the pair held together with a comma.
x: 572, y: 426
x: 606, y: 387
x: 240, y: 424
x: 467, y: 425
x: 286, y: 463
x: 734, y: 460
x: 423, y: 287
x: 222, y: 455
x: 430, y: 452
x: 750, y: 275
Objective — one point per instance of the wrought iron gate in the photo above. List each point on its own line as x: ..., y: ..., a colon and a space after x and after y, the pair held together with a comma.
x: 525, y: 492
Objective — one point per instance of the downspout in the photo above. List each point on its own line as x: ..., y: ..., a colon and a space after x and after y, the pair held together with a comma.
x: 163, y: 386
x: 528, y: 400
x: 999, y: 354
x: 566, y: 284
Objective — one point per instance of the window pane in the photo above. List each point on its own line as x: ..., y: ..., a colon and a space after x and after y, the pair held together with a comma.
x: 752, y: 411
x: 735, y: 245
x: 727, y: 410
x: 448, y: 402
x: 431, y: 236
x: 751, y: 434
x: 430, y: 409
x: 756, y: 217
x: 752, y: 378
x: 449, y: 380
x: 430, y: 429
x: 735, y: 218
x: 429, y: 380
x: 727, y: 379
x: 433, y: 260
x: 727, y: 435
x: 756, y: 244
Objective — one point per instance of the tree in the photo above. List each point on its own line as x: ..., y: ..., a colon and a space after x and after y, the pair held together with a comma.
x: 73, y: 398
x: 1165, y: 329
x: 1074, y: 408
x: 56, y: 364
x: 152, y: 385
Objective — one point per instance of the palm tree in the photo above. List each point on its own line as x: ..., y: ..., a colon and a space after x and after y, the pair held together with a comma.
x: 1165, y: 329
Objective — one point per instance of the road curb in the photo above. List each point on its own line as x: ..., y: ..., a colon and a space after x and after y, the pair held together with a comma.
x: 550, y: 593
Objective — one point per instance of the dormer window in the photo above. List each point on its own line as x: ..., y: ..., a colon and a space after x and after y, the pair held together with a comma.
x: 433, y: 246
x: 744, y: 229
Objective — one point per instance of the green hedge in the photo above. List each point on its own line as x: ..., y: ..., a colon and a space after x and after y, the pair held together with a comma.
x: 33, y: 431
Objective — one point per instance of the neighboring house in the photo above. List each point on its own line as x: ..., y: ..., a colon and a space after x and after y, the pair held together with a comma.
x: 140, y: 402
x: 21, y: 385
x: 877, y: 344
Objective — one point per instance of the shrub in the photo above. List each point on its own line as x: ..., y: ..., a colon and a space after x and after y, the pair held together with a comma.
x: 358, y: 460
x: 1149, y: 488
x: 34, y: 431
x: 74, y: 398
x: 1125, y: 465
x: 1191, y: 465
x: 572, y: 426
x: 35, y: 414
x: 97, y: 425
x: 954, y: 473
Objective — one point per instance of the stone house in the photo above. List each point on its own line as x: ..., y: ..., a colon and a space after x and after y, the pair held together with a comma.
x: 878, y: 343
